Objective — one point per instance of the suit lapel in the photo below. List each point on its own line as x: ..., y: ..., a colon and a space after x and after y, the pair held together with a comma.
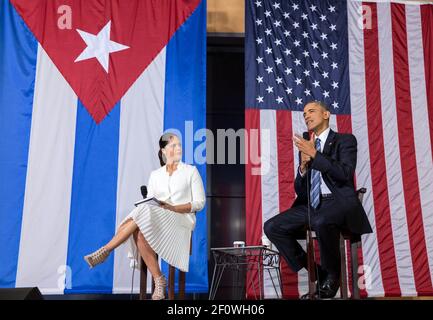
x: 329, y: 142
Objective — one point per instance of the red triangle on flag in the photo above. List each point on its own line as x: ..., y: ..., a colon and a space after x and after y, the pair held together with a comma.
x: 108, y: 45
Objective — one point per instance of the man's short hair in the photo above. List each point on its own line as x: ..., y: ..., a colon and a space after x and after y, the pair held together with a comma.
x: 320, y: 103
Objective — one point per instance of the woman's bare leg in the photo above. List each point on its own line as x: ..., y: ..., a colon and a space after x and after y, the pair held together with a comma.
x: 147, y: 253
x: 122, y: 235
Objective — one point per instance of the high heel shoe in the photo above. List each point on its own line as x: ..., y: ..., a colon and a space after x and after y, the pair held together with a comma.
x: 97, y: 257
x: 160, y: 284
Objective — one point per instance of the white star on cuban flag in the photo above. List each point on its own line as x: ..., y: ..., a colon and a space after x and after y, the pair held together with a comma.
x: 99, y: 46
x: 101, y: 55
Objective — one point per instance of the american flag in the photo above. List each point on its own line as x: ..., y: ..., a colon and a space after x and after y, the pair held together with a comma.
x: 370, y: 62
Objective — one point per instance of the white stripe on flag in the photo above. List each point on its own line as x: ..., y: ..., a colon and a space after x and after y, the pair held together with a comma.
x: 45, y: 225
x: 299, y: 127
x: 359, y: 129
x: 269, y: 179
x: 303, y: 274
x: 141, y: 125
x: 420, y: 124
x: 333, y: 122
x: 392, y: 152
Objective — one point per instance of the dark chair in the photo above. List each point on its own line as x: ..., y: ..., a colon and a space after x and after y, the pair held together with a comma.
x: 171, y: 272
x: 355, y: 243
x: 170, y: 284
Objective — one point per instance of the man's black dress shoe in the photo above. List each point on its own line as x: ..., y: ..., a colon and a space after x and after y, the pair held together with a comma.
x: 307, y: 296
x: 321, y: 278
x: 328, y: 289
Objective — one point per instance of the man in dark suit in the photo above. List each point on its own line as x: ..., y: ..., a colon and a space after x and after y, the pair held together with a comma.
x: 326, y: 170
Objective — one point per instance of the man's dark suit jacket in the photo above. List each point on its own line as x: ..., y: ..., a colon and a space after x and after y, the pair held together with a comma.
x: 337, y: 164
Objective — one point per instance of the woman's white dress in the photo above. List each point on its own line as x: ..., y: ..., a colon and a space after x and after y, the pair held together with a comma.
x: 168, y: 232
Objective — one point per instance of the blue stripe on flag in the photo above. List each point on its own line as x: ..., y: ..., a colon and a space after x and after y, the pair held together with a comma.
x: 93, y: 203
x: 185, y: 100
x: 18, y: 56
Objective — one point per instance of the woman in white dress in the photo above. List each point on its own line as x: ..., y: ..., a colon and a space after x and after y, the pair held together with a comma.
x: 164, y: 230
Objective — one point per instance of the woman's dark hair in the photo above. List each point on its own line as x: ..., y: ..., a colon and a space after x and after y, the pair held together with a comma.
x: 163, y: 141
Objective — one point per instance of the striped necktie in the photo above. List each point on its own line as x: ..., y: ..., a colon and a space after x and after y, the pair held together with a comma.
x: 315, y: 183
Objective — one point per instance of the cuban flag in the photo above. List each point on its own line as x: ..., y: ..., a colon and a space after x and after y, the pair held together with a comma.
x: 86, y: 90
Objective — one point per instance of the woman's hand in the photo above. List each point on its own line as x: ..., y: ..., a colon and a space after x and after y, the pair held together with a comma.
x: 180, y: 208
x: 167, y: 206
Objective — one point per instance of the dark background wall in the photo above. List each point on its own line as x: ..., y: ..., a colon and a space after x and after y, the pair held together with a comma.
x: 225, y: 182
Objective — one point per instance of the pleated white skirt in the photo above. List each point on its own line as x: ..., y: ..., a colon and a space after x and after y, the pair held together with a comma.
x: 168, y: 234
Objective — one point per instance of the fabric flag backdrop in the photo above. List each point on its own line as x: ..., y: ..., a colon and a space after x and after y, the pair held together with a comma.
x: 86, y: 90
x: 371, y: 63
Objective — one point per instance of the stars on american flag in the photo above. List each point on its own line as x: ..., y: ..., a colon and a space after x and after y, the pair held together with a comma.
x: 276, y: 5
x: 296, y: 52
x: 334, y: 85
